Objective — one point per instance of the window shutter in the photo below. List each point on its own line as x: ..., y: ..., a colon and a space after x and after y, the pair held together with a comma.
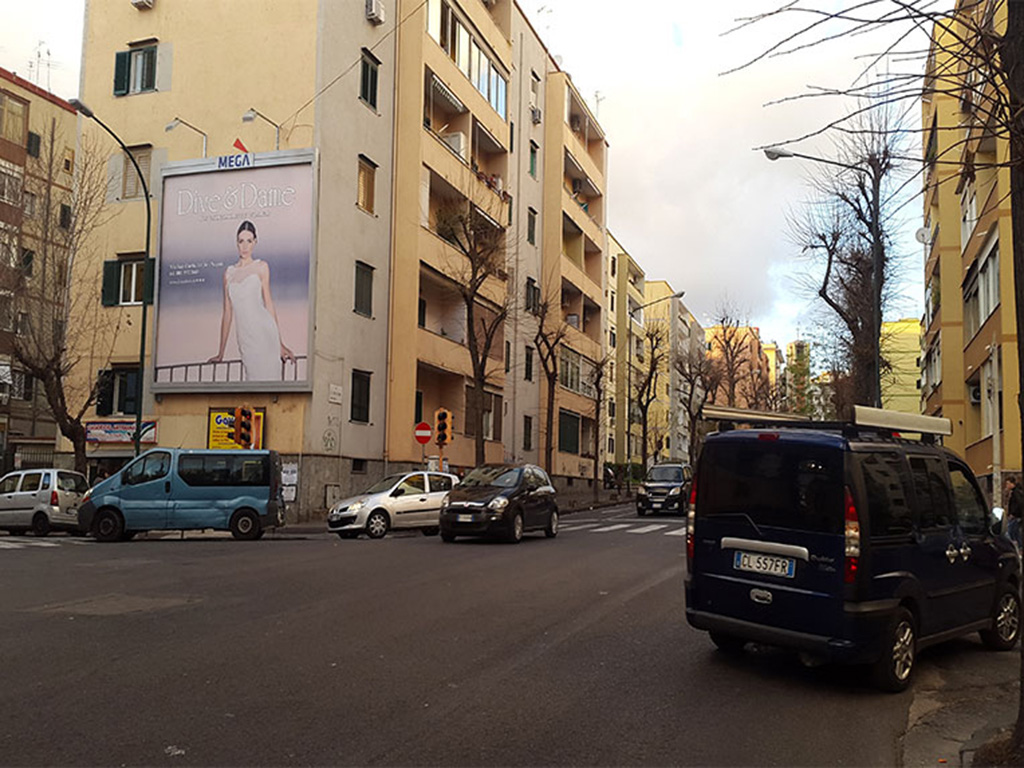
x: 111, y: 283
x: 34, y: 142
x: 468, y: 427
x: 122, y: 72
x: 496, y: 414
x: 105, y: 393
x: 148, y: 279
x: 373, y: 86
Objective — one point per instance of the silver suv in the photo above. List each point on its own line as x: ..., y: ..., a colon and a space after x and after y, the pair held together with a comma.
x: 406, y: 500
x: 41, y: 500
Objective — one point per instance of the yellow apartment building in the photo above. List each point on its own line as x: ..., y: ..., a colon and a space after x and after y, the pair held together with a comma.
x: 629, y: 350
x: 37, y: 163
x: 901, y: 347
x: 969, y: 365
x: 776, y: 363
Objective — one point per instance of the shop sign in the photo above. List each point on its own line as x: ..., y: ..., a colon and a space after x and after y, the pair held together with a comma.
x: 119, y: 431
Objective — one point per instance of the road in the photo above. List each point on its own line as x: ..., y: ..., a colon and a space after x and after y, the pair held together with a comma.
x: 306, y: 649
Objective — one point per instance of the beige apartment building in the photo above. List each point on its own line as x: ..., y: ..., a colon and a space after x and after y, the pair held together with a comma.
x: 629, y: 281
x: 969, y: 365
x: 37, y: 164
x: 371, y: 130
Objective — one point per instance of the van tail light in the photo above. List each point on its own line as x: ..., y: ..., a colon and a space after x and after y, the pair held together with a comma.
x: 691, y: 516
x: 852, y: 538
x: 54, y: 500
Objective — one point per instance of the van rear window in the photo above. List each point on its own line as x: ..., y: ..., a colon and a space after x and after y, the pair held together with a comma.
x: 775, y: 484
x: 224, y: 469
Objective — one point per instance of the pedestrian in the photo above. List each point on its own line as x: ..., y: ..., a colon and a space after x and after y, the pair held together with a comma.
x: 1013, y: 496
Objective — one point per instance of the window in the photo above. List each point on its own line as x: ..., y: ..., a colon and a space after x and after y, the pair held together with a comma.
x: 6, y: 311
x: 421, y: 317
x: 360, y: 411
x: 534, y: 88
x: 135, y: 70
x: 11, y: 179
x: 532, y: 295
x: 30, y: 482
x: 358, y: 466
x: 418, y: 407
x: 29, y: 205
x: 117, y: 391
x: 22, y: 327
x: 613, y: 266
x: 9, y: 484
x: 440, y: 483
x: 527, y: 433
x: 131, y: 186
x: 12, y: 119
x: 132, y: 282
x: 533, y: 159
x: 611, y: 409
x: 932, y: 492
x: 888, y: 501
x: 65, y: 216
x: 569, y: 369
x: 611, y: 444
x: 968, y: 215
x: 611, y: 301
x: 28, y: 260
x: 367, y: 173
x: 368, y: 79
x: 611, y: 338
x: 224, y: 469
x: 23, y: 386
x: 568, y: 432
x: 531, y: 226
x: 971, y: 513
x: 69, y: 160
x: 412, y: 485
x: 8, y: 245
x: 34, y: 144
x: 529, y: 364
x: 508, y: 356
x: 364, y: 289
x: 151, y: 467
x: 492, y: 416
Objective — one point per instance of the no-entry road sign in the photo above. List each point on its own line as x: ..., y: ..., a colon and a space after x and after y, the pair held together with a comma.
x: 423, y: 433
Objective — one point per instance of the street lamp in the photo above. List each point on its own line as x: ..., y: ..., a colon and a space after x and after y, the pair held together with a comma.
x: 629, y: 382
x: 178, y: 121
x: 86, y: 112
x: 875, y: 171
x: 253, y: 113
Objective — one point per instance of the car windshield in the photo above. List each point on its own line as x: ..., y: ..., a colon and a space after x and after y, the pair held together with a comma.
x: 665, y: 475
x: 385, y: 485
x: 499, y: 477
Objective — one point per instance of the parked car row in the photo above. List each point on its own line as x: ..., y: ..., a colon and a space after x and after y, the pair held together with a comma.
x: 496, y: 500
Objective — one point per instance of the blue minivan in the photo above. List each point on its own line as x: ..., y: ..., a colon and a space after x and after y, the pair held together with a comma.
x: 176, y: 489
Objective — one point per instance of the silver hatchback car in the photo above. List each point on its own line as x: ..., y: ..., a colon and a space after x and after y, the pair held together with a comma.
x: 41, y: 500
x: 406, y: 500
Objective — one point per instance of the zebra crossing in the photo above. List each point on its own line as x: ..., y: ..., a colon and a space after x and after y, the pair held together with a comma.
x: 673, y: 528
x: 27, y: 542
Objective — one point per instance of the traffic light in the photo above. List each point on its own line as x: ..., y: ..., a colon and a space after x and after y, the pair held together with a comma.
x: 443, y: 428
x: 243, y: 427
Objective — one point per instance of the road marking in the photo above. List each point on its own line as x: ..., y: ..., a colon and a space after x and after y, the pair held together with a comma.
x: 676, y: 532
x: 647, y: 529
x: 9, y: 545
x: 576, y: 527
x: 611, y: 528
x: 30, y: 543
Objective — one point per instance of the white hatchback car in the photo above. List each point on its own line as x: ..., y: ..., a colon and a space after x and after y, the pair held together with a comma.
x: 406, y: 500
x: 41, y: 500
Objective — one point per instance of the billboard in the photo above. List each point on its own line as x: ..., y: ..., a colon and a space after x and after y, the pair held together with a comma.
x: 234, y: 291
x: 221, y: 425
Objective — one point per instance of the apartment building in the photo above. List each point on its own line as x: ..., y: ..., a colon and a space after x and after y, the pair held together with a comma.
x: 901, y: 348
x: 969, y: 365
x: 285, y: 122
x: 37, y: 164
x: 630, y: 349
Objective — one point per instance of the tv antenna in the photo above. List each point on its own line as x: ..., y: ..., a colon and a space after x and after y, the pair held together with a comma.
x: 598, y: 98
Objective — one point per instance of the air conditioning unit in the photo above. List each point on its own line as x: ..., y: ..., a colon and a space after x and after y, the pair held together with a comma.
x: 577, y: 186
x: 143, y: 5
x: 974, y: 392
x: 458, y: 144
x: 375, y: 11
x: 536, y: 115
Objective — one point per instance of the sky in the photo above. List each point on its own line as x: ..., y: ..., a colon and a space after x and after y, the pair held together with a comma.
x: 688, y: 195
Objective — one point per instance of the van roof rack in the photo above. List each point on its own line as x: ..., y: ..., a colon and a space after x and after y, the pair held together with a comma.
x: 890, y: 424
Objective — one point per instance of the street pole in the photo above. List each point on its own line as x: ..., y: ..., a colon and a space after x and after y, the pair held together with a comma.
x: 877, y: 263
x: 140, y: 379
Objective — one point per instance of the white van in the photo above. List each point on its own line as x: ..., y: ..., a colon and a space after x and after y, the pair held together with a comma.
x: 41, y: 500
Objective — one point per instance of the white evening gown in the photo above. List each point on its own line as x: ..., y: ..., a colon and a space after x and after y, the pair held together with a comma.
x: 255, y: 330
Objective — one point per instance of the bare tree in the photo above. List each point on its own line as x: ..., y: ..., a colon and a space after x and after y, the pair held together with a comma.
x: 597, y: 383
x: 700, y: 376
x: 551, y: 331
x: 482, y: 244
x: 730, y: 346
x: 645, y: 389
x: 59, y: 329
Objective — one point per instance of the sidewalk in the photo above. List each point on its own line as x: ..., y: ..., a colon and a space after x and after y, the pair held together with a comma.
x: 964, y: 695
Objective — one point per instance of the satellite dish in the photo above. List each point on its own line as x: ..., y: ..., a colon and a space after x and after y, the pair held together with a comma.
x: 922, y: 235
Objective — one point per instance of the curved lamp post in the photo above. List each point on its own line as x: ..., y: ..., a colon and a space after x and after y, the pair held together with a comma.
x: 252, y: 113
x: 86, y: 112
x: 178, y: 121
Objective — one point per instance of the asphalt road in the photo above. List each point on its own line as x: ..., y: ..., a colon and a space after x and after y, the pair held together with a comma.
x: 306, y: 649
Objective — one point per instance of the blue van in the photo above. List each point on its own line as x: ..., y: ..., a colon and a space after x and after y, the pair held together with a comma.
x: 176, y: 489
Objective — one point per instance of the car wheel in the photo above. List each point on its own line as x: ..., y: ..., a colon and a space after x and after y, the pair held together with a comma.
x: 727, y: 643
x: 108, y: 526
x: 348, y: 534
x: 377, y: 524
x: 515, y: 530
x: 1005, y: 629
x: 40, y: 524
x: 894, y: 670
x: 552, y: 528
x: 447, y: 538
x: 244, y: 525
x: 640, y: 511
x: 433, y: 530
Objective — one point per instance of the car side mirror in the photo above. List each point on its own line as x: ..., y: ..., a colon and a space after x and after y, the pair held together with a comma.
x: 398, y: 492
x: 997, y: 521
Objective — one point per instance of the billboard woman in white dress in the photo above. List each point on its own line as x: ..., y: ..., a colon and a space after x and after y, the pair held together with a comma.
x: 248, y: 302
